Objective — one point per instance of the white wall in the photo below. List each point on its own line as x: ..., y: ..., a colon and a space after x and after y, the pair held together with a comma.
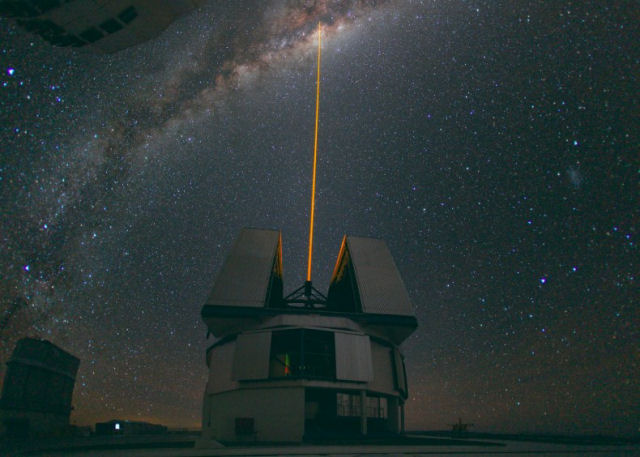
x: 220, y: 364
x: 382, y: 369
x: 278, y: 413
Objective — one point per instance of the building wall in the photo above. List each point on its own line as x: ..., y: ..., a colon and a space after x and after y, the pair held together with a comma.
x: 382, y: 368
x: 34, y: 424
x: 239, y: 385
x: 220, y: 361
x: 395, y: 412
x: 32, y: 386
x: 278, y: 414
x: 222, y: 358
x: 37, y: 389
x: 312, y: 321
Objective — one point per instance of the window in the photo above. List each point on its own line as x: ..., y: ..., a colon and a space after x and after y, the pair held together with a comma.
x: 45, y: 28
x: 51, y: 32
x: 377, y: 407
x: 348, y: 405
x: 111, y: 26
x: 91, y: 35
x: 128, y: 15
x: 302, y: 354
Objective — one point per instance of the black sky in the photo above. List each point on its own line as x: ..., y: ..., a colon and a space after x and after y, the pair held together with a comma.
x: 492, y: 145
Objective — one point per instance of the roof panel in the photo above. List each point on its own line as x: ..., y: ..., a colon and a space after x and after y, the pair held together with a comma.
x: 380, y: 286
x: 248, y: 270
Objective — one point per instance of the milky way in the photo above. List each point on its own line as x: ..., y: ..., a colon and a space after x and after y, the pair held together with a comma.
x: 494, y: 148
x: 251, y: 43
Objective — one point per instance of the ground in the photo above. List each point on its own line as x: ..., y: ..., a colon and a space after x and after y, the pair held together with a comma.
x: 182, y: 445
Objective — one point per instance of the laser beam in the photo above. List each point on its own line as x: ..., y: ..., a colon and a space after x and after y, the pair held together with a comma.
x: 315, y: 160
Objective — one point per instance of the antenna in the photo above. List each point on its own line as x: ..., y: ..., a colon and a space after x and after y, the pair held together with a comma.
x: 307, y: 294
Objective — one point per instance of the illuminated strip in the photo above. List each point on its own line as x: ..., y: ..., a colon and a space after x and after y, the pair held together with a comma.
x: 315, y: 158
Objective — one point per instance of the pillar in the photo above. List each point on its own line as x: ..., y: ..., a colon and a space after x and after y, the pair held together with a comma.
x: 393, y: 411
x: 363, y: 412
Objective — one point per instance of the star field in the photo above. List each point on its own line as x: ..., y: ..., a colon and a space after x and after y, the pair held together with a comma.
x: 494, y: 148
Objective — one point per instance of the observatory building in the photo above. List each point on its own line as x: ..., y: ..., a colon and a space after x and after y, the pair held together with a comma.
x: 305, y: 366
x: 105, y: 25
x: 37, y: 390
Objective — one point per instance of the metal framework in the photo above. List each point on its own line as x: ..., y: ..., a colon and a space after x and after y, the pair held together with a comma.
x: 308, y: 296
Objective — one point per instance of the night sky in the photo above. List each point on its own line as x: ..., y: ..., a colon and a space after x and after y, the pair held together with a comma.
x: 492, y: 145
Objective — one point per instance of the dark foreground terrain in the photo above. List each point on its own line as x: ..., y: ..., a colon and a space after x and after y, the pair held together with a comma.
x: 417, y: 443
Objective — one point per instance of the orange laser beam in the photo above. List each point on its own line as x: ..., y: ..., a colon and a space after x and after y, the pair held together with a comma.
x: 315, y: 159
